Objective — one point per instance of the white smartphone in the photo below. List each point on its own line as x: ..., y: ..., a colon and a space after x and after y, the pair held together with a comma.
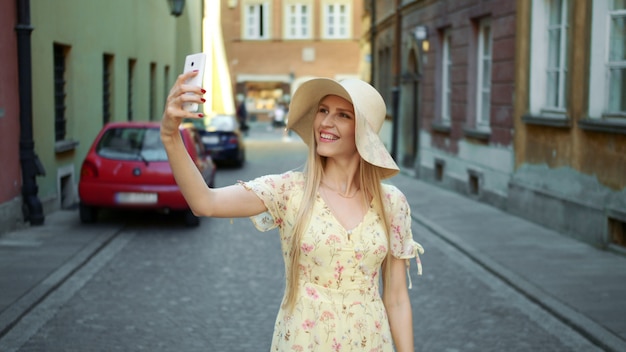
x: 194, y: 62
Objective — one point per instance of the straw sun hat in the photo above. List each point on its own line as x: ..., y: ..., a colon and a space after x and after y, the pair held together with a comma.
x: 369, y: 108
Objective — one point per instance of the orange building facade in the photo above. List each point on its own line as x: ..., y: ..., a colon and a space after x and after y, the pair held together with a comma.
x: 273, y: 46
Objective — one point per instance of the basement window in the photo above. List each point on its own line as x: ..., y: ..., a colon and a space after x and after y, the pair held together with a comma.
x: 617, y: 232
x: 439, y: 169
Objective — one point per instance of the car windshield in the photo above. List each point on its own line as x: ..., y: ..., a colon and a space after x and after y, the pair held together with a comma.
x: 132, y: 143
x: 222, y: 123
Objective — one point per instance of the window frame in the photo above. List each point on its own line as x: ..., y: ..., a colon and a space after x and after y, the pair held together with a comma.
x: 484, y: 86
x: 108, y: 70
x: 307, y: 17
x: 59, y: 69
x: 256, y: 27
x: 446, y: 75
x: 539, y: 69
x: 334, y: 31
x: 614, y: 64
x: 130, y: 89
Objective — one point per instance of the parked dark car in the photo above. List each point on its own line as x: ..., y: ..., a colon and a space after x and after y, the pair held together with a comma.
x: 223, y: 140
x: 127, y: 168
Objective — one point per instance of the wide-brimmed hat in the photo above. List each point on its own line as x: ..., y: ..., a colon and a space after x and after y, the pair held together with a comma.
x: 369, y: 108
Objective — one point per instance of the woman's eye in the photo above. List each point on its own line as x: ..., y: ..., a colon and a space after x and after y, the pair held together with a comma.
x: 323, y: 110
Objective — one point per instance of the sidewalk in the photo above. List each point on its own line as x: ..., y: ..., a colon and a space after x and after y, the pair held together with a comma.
x: 35, y: 260
x: 583, y: 286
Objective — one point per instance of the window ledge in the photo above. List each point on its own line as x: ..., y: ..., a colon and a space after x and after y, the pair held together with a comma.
x: 609, y: 125
x: 477, y: 133
x: 441, y: 126
x: 64, y: 146
x: 547, y: 119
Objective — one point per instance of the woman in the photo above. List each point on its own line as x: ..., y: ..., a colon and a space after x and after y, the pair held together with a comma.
x: 340, y: 227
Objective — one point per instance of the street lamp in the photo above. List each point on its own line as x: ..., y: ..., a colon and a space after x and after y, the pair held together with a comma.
x: 176, y: 7
x: 420, y: 33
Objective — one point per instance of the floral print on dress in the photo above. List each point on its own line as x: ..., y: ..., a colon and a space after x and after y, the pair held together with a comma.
x: 339, y: 307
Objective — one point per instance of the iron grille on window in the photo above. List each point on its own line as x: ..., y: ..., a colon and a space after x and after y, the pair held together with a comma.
x: 131, y: 74
x: 106, y: 88
x: 152, y: 97
x: 59, y: 92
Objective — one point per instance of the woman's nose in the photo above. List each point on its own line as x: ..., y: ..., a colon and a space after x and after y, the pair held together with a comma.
x: 328, y: 119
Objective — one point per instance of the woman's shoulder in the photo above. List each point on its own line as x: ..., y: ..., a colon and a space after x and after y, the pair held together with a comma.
x: 289, y: 179
x: 391, y: 191
x: 393, y: 196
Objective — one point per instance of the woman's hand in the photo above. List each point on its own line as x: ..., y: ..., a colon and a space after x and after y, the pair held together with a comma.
x: 174, y: 113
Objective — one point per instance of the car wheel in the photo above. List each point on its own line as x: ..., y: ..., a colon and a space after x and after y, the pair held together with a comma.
x: 190, y: 219
x: 88, y: 214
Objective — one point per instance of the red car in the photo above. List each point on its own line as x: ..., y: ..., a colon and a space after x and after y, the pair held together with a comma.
x: 127, y: 168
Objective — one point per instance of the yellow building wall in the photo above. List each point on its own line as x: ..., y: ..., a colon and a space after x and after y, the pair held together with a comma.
x: 597, y: 154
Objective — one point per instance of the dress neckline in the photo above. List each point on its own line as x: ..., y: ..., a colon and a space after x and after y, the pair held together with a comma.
x: 336, y: 220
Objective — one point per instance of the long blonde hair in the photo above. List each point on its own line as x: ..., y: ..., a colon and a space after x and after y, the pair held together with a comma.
x: 370, y: 182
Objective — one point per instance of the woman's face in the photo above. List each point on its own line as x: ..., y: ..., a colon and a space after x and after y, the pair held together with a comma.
x: 334, y: 127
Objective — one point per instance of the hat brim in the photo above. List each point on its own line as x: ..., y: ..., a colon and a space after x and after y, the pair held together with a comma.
x: 364, y: 98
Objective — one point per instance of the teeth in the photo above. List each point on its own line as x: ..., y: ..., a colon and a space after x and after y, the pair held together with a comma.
x: 328, y: 136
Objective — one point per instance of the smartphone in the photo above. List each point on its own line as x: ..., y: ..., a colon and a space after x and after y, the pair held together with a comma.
x: 194, y: 62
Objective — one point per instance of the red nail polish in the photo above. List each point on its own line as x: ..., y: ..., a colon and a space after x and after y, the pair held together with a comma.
x: 200, y: 115
x: 203, y: 91
x: 203, y: 100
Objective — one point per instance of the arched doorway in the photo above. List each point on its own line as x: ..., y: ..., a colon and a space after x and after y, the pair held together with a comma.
x: 410, y: 110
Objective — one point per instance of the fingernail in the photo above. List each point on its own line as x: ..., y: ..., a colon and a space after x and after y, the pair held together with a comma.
x: 196, y: 70
x: 200, y: 115
x: 203, y: 91
x: 203, y: 100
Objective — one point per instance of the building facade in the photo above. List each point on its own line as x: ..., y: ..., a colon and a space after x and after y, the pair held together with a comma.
x: 447, y: 67
x: 570, y: 126
x: 105, y: 61
x: 518, y: 104
x: 272, y: 46
x: 10, y: 177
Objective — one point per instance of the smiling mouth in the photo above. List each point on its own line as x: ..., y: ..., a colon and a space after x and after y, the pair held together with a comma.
x: 328, y: 137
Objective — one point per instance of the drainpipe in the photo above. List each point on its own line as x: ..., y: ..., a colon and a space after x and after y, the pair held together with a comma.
x: 395, y: 90
x: 31, y: 166
x: 373, y: 42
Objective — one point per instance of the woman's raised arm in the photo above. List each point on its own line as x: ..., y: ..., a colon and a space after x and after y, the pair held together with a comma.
x: 230, y: 201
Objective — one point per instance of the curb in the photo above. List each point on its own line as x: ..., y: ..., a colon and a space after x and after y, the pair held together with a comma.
x: 591, y: 330
x: 12, y: 315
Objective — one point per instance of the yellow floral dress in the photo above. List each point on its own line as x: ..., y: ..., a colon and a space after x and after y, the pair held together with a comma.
x: 339, y: 307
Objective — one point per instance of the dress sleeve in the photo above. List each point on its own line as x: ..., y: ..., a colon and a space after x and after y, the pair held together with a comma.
x: 274, y: 191
x: 402, y: 244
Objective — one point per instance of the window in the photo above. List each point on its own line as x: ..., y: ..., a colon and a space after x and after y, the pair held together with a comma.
x: 557, y: 59
x: 384, y: 75
x: 130, y: 88
x: 256, y: 21
x: 616, y: 66
x: 446, y: 77
x: 548, y: 58
x: 297, y: 21
x: 607, y: 71
x: 336, y: 23
x: 483, y: 99
x: 60, y: 52
x: 166, y: 82
x: 152, y: 94
x: 107, y: 84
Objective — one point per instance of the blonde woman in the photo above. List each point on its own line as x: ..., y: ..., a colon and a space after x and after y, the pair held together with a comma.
x: 342, y: 230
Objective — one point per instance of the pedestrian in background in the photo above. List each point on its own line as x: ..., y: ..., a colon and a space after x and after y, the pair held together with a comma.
x: 279, y: 115
x: 341, y: 228
x: 242, y: 116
